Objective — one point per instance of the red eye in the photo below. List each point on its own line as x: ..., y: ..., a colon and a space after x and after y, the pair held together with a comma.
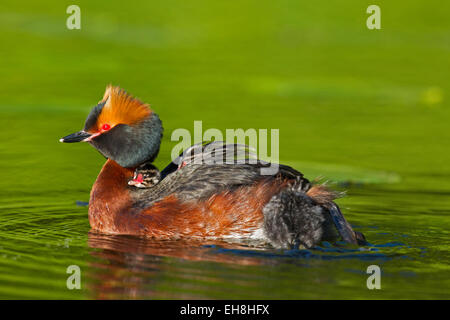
x: 106, y: 127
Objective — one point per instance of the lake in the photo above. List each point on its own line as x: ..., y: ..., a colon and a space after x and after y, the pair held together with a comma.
x: 366, y: 110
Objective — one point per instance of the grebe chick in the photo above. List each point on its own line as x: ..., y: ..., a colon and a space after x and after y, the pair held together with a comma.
x: 145, y: 176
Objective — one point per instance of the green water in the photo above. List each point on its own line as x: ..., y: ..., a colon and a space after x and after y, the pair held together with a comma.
x: 367, y: 110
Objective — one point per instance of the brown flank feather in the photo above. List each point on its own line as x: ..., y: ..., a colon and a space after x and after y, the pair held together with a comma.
x: 322, y: 194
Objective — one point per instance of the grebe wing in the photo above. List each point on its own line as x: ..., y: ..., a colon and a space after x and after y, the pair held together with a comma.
x: 220, y: 152
x: 207, y: 152
x: 201, y: 181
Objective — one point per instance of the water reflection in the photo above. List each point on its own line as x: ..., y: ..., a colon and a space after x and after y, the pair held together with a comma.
x: 132, y: 267
x: 125, y: 246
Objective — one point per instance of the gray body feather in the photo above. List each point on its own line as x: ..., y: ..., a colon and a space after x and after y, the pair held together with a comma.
x: 291, y: 217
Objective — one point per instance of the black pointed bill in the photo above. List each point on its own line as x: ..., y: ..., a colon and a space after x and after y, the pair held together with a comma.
x: 77, y: 137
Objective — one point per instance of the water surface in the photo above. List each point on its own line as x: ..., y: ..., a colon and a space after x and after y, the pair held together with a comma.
x: 366, y: 110
x: 38, y: 243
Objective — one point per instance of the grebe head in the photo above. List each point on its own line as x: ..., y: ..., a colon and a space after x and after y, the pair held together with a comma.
x: 121, y: 128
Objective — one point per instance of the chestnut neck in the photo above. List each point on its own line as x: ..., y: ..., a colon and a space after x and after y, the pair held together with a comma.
x: 110, y: 196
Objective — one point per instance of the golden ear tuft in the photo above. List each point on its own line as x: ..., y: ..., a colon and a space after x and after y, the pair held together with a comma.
x: 121, y: 108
